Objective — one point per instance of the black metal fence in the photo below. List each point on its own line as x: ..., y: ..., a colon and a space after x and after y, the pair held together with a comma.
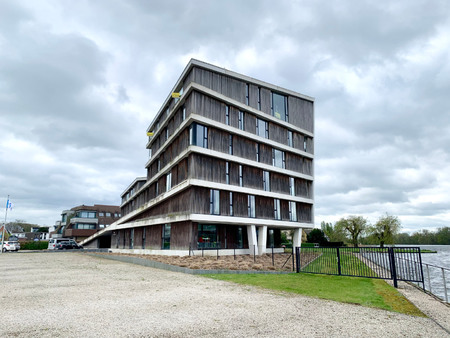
x: 372, y: 262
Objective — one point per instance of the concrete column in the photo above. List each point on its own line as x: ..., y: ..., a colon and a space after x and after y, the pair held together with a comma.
x: 252, y: 241
x: 262, y: 239
x: 297, y: 240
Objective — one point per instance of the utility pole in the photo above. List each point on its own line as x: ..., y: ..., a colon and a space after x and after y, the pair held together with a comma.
x: 4, y: 224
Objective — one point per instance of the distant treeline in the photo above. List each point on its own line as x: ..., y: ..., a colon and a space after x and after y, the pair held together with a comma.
x: 439, y: 237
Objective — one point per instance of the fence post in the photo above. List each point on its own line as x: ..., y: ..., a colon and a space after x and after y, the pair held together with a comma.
x: 273, y: 261
x: 445, y: 285
x: 338, y: 261
x: 293, y: 257
x: 428, y: 275
x: 393, y: 270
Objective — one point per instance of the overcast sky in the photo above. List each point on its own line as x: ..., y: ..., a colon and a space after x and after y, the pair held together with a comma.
x: 80, y: 81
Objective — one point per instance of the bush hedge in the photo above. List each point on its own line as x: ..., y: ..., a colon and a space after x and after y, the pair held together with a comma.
x: 38, y: 245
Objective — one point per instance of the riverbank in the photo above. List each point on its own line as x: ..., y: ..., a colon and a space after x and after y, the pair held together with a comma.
x: 82, y: 296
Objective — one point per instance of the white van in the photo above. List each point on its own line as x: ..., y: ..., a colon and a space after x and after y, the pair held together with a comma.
x: 53, y: 241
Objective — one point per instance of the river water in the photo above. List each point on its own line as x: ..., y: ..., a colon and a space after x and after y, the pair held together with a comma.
x: 433, y: 261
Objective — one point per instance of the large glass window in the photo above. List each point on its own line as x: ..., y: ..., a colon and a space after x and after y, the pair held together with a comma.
x: 279, y: 107
x: 227, y: 172
x: 168, y: 181
x: 266, y: 181
x: 231, y: 204
x: 278, y: 158
x: 84, y: 226
x: 240, y: 237
x: 227, y: 115
x: 258, y: 159
x: 251, y: 206
x: 207, y: 236
x: 262, y: 128
x: 184, y: 112
x: 292, y: 186
x: 259, y: 98
x: 230, y: 145
x: 276, y: 208
x: 290, y: 140
x: 166, y: 236
x: 241, y: 120
x: 86, y: 214
x: 198, y: 135
x: 241, y: 177
x: 292, y: 211
x: 305, y: 143
x: 247, y: 94
x: 214, y: 202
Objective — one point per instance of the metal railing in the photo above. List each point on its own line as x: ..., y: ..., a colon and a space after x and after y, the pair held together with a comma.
x: 434, y: 286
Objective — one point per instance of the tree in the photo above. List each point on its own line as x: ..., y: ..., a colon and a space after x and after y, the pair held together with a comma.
x: 316, y: 236
x: 386, y: 229
x: 353, y: 226
x: 332, y: 233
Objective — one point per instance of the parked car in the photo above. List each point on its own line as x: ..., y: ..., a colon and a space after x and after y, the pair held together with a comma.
x: 53, y: 242
x: 68, y: 245
x: 11, y: 246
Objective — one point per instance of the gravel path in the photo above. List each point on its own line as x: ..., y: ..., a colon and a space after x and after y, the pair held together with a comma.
x: 71, y: 294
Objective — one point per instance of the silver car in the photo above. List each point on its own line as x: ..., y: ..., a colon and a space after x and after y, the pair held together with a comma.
x: 11, y: 246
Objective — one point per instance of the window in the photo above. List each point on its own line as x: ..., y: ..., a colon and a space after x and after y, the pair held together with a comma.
x: 231, y: 204
x: 108, y: 214
x: 157, y: 188
x: 101, y: 214
x: 143, y: 237
x: 305, y: 143
x: 279, y: 107
x: 257, y: 152
x: 276, y: 208
x: 230, y: 145
x: 227, y: 172
x: 165, y: 237
x: 227, y: 115
x: 86, y: 214
x: 214, y: 202
x: 241, y: 120
x: 166, y: 134
x: 207, y: 236
x: 259, y: 98
x: 266, y: 181
x: 292, y: 186
x: 278, y: 158
x: 101, y: 226
x: 131, y: 238
x: 63, y: 218
x: 168, y: 181
x: 184, y: 112
x: 159, y: 165
x: 290, y: 141
x: 251, y: 206
x: 198, y: 135
x: 292, y: 212
x: 241, y: 178
x: 262, y: 128
x: 247, y: 95
x: 150, y: 153
x: 84, y: 226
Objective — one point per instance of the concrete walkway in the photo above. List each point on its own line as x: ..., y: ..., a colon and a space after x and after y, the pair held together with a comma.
x: 71, y: 294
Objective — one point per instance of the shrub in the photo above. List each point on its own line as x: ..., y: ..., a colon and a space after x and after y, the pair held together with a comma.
x: 39, y: 245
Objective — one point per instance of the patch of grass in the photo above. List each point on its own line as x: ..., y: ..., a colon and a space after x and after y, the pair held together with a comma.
x: 363, y: 291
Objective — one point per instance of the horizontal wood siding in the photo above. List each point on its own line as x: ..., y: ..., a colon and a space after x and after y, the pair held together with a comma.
x: 265, y: 154
x: 250, y: 123
x: 303, y: 188
x: 153, y: 240
x: 180, y: 235
x: 138, y: 238
x: 265, y: 101
x: 253, y: 96
x: 240, y: 204
x: 304, y: 212
x: 206, y: 168
x: 284, y: 210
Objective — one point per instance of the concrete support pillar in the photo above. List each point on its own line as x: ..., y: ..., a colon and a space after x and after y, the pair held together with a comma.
x: 262, y: 239
x: 252, y: 241
x: 297, y: 240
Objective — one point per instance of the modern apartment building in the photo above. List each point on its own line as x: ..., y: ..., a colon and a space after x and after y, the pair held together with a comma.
x: 83, y: 221
x: 230, y: 165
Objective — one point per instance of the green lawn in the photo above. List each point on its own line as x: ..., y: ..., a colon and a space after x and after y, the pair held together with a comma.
x: 363, y: 291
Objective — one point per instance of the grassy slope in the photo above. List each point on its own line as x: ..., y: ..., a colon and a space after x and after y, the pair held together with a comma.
x: 363, y: 291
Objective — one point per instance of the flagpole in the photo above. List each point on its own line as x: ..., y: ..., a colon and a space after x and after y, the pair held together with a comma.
x: 4, y: 224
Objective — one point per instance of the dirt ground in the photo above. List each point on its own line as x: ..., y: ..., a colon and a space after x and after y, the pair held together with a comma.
x: 279, y: 262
